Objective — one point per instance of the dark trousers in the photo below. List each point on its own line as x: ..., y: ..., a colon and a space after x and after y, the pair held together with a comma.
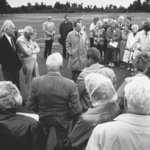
x: 61, y: 132
x: 65, y: 53
x: 91, y: 41
x: 48, y: 48
x: 75, y: 74
x: 11, y: 75
x: 112, y: 55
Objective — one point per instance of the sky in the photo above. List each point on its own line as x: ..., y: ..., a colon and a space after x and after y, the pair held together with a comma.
x: 98, y: 3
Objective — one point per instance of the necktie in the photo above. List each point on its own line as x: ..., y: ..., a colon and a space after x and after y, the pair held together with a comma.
x: 13, y: 45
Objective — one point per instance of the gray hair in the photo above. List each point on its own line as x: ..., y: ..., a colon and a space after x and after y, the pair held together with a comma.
x: 100, y: 23
x: 105, y: 20
x: 8, y: 24
x: 54, y: 61
x: 135, y: 26
x: 100, y: 89
x: 28, y: 29
x: 121, y: 17
x: 9, y: 95
x: 137, y: 94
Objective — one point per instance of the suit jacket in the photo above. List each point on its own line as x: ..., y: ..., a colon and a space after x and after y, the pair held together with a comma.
x: 54, y: 95
x: 19, y: 132
x: 8, y: 56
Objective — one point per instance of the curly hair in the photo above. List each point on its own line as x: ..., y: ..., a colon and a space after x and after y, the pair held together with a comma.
x: 142, y: 61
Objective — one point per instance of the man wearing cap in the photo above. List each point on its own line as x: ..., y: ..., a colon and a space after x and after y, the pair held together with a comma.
x: 93, y: 66
x: 27, y: 50
x: 49, y: 32
x: 65, y: 27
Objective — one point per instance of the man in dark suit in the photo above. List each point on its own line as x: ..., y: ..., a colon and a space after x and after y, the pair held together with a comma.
x: 8, y: 54
x: 65, y: 27
x: 55, y: 98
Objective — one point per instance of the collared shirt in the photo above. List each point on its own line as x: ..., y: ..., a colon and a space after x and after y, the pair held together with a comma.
x: 126, y: 132
x: 49, y: 30
x: 143, y: 39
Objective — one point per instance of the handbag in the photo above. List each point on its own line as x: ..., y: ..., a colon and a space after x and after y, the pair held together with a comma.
x: 113, y: 45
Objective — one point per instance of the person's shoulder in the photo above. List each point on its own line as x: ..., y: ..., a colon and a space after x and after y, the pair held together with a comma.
x: 110, y: 128
x: 108, y: 69
x: 69, y: 81
x: 20, y: 38
x: 39, y: 79
x: 25, y: 120
x: 72, y: 32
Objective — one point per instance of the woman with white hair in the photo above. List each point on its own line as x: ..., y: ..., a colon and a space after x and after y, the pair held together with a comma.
x: 99, y: 36
x: 130, y: 42
x: 131, y: 130
x: 18, y: 132
x: 103, y: 97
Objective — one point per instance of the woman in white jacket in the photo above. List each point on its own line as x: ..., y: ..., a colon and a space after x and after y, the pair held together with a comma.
x: 130, y: 43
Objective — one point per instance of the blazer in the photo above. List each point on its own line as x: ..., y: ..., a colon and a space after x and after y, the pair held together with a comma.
x: 56, y: 96
x: 8, y: 56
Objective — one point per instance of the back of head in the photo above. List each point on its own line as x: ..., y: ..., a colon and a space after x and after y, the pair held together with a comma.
x: 142, y: 61
x: 94, y: 54
x: 137, y: 94
x: 146, y: 26
x: 54, y: 62
x: 100, y: 88
x: 9, y: 95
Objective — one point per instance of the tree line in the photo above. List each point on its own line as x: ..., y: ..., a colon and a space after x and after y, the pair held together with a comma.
x: 58, y: 7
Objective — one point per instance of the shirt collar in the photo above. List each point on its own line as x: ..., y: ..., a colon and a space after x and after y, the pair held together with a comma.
x: 138, y: 120
x: 78, y: 33
x: 9, y: 38
x: 52, y: 73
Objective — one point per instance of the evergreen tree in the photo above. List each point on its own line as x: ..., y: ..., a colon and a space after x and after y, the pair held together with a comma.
x: 4, y: 6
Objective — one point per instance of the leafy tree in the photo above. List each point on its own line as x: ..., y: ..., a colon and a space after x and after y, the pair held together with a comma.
x: 4, y: 6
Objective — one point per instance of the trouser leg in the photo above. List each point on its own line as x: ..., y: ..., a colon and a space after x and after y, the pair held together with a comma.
x: 75, y: 74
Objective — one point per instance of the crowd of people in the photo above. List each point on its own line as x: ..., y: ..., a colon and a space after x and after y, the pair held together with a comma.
x: 87, y: 112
